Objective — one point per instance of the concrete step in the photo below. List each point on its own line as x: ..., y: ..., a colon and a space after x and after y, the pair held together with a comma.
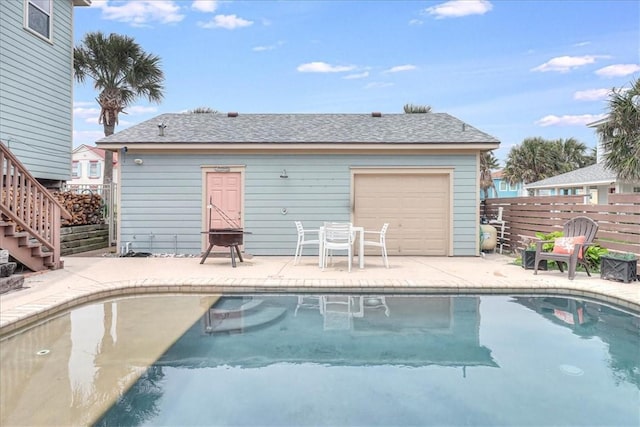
x: 261, y: 318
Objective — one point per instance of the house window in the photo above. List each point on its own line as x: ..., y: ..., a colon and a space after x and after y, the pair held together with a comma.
x: 503, y: 186
x: 38, y: 17
x: 94, y: 170
x: 75, y: 169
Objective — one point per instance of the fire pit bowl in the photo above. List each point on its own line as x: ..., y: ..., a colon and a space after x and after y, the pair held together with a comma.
x: 226, y: 236
x: 229, y: 237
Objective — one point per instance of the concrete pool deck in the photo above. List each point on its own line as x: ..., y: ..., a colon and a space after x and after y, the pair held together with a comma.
x: 88, y: 278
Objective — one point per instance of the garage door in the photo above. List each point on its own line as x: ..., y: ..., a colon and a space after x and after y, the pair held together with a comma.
x: 415, y: 205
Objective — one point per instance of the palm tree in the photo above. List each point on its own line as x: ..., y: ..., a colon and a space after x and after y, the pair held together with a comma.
x: 488, y: 162
x: 202, y: 110
x: 620, y: 134
x: 122, y: 72
x: 531, y: 161
x: 537, y: 158
x: 416, y: 109
x: 571, y: 155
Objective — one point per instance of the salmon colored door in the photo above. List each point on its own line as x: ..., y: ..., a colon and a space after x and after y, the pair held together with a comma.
x: 224, y: 191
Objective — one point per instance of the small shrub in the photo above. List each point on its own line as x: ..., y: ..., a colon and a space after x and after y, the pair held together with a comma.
x: 625, y: 256
x: 549, y: 237
x: 592, y: 256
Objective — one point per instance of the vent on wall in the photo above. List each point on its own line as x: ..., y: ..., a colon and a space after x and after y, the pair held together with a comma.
x: 232, y: 114
x: 376, y: 114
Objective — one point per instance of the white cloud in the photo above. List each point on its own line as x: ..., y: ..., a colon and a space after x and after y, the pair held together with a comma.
x: 415, y: 22
x: 323, y: 67
x: 140, y: 12
x: 569, y: 120
x: 378, y: 85
x: 357, y: 76
x: 87, y: 137
x: 228, y: 22
x: 580, y: 44
x: 84, y: 112
x: 205, y: 5
x: 90, y: 111
x: 269, y: 47
x: 135, y: 110
x: 618, y: 70
x: 591, y: 94
x: 564, y: 64
x: 458, y: 8
x: 399, y: 68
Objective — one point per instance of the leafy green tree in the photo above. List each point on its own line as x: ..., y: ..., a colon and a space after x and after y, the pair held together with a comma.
x: 488, y: 163
x: 416, y: 109
x: 121, y: 72
x: 621, y: 133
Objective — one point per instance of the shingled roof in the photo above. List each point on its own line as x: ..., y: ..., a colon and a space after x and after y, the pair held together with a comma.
x: 590, y: 175
x: 207, y: 128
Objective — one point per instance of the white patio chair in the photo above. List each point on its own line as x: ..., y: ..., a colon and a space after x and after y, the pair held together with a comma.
x: 339, y: 311
x: 380, y: 242
x: 302, y: 241
x: 308, y: 301
x: 337, y: 236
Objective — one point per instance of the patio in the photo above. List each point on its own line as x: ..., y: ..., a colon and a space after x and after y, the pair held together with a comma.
x: 85, y: 278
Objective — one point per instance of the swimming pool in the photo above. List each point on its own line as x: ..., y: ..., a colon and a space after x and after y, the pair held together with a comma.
x: 327, y: 360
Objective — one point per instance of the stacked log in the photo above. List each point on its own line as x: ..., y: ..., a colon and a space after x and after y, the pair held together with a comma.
x: 85, y: 208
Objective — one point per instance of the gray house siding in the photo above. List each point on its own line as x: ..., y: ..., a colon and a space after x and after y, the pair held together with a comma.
x: 36, y: 101
x: 162, y: 207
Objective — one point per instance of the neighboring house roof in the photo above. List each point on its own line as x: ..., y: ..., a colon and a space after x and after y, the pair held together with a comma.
x: 497, y: 174
x: 97, y: 151
x: 595, y: 174
x: 428, y: 128
x: 599, y: 122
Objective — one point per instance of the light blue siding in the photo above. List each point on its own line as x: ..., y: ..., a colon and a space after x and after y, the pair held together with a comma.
x: 36, y: 101
x: 503, y: 189
x: 161, y: 199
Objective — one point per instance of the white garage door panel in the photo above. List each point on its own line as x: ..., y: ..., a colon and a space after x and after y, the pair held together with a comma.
x: 415, y: 205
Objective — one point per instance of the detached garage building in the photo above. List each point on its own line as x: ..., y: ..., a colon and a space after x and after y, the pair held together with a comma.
x: 418, y: 172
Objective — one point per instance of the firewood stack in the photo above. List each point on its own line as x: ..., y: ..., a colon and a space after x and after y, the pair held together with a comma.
x: 85, y: 208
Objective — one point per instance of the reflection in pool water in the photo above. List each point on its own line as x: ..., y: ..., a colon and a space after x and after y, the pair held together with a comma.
x: 330, y: 360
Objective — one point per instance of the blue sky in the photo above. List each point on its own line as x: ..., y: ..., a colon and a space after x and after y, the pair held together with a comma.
x: 514, y: 69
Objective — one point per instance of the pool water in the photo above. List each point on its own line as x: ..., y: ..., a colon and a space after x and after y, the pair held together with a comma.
x: 336, y: 360
x: 394, y: 360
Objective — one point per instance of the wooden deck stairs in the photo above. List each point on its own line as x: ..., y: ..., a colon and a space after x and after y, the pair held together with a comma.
x: 30, y: 217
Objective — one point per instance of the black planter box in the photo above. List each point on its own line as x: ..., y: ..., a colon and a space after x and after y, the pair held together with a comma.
x: 529, y: 260
x: 625, y: 270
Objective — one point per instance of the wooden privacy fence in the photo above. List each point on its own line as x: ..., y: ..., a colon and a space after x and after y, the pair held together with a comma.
x: 619, y: 220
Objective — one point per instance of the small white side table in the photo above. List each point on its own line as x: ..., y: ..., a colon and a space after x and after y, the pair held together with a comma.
x: 500, y: 226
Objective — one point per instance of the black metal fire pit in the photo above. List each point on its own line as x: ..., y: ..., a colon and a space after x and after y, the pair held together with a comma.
x: 227, y: 237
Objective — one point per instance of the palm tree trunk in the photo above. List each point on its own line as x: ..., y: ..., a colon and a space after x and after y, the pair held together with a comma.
x: 109, y: 128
